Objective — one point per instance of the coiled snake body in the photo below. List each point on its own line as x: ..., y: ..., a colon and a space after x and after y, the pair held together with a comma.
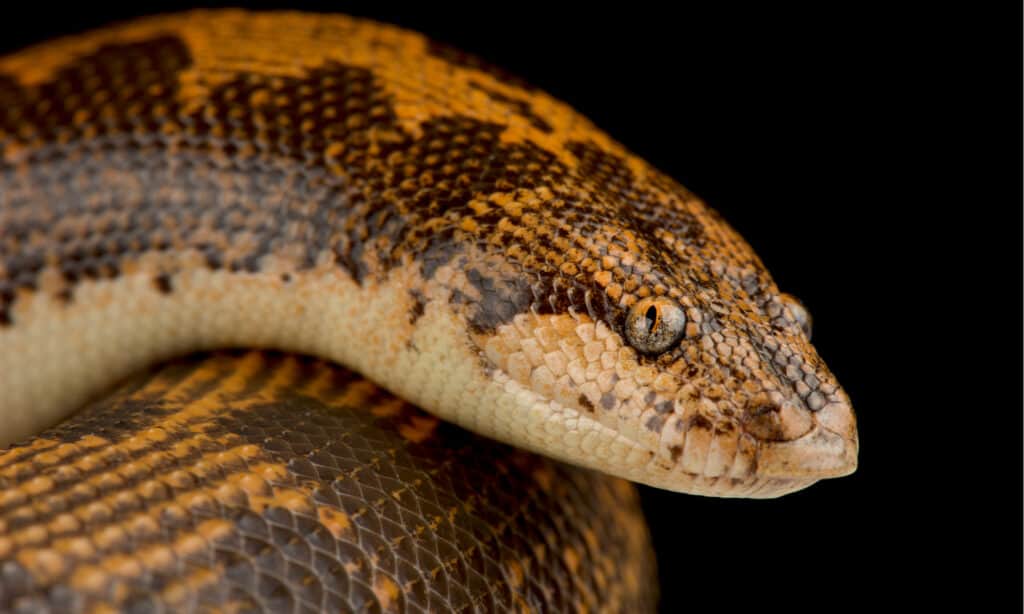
x: 351, y: 191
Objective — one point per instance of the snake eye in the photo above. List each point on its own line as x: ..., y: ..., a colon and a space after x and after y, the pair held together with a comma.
x: 800, y: 313
x: 654, y: 325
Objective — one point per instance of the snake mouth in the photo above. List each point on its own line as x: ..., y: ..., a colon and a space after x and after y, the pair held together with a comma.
x: 819, y: 454
x: 777, y: 468
x: 725, y: 462
x: 828, y: 450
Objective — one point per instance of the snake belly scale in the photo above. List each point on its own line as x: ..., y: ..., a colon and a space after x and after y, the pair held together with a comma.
x: 352, y: 191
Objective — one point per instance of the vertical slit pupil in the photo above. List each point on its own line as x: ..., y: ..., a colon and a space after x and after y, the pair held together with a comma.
x: 652, y: 318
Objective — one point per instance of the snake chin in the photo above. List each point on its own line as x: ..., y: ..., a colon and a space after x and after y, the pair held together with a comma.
x: 582, y: 397
x: 758, y: 469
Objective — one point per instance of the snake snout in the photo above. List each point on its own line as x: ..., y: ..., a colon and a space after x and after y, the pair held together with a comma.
x: 827, y: 448
x: 777, y: 421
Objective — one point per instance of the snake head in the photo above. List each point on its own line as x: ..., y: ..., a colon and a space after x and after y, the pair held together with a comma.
x: 637, y: 333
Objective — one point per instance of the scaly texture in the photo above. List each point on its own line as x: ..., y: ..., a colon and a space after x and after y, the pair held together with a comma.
x: 349, y: 190
x: 266, y: 482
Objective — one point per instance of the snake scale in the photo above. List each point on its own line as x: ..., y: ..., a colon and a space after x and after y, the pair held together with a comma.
x: 347, y: 190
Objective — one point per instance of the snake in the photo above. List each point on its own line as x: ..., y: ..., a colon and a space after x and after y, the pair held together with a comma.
x: 414, y: 228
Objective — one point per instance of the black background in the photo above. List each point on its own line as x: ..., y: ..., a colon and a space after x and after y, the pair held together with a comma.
x: 872, y: 158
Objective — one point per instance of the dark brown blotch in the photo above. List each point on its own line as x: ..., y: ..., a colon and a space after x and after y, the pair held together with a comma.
x: 763, y: 421
x: 163, y: 283
x: 501, y: 299
x: 585, y: 403
x: 419, y: 304
x: 639, y: 204
x: 119, y: 83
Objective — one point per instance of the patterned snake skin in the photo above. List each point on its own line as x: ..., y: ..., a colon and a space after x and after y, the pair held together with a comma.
x: 352, y: 191
x: 261, y: 481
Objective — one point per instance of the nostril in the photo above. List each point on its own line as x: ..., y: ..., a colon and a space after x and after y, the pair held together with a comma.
x: 770, y: 421
x: 762, y: 421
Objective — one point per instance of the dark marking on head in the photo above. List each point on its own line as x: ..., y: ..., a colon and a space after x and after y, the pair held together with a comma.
x: 675, y: 452
x: 585, y: 403
x: 419, y: 304
x: 763, y: 421
x: 647, y: 214
x: 500, y: 299
x: 163, y: 284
